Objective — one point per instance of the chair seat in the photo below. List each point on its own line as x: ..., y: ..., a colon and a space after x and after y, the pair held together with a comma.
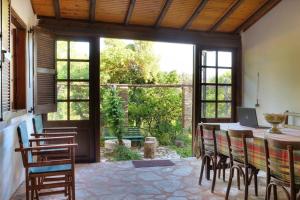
x: 54, y: 168
x: 58, y: 150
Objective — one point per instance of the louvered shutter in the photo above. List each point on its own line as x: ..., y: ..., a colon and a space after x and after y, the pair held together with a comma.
x: 5, y: 76
x: 44, y: 72
x: 5, y: 85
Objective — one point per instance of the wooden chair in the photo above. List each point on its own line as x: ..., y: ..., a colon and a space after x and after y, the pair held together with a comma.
x: 210, y: 154
x: 239, y: 159
x: 60, y: 131
x: 283, y: 167
x: 41, y: 132
x: 55, y: 176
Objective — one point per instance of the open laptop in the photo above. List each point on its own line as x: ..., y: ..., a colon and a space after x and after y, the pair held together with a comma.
x: 247, y: 117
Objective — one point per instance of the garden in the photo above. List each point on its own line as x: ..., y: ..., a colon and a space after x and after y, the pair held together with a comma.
x: 154, y: 111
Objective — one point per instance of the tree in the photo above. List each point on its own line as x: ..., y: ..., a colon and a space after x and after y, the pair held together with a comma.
x: 127, y: 63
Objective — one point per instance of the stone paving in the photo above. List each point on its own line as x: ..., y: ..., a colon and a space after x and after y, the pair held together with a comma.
x: 121, y: 181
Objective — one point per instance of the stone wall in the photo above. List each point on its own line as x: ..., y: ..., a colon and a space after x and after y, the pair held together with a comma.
x: 187, y: 106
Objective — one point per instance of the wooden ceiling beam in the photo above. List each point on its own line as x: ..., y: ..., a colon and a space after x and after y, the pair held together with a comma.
x: 129, y: 12
x: 92, y: 10
x: 163, y: 13
x: 66, y: 27
x: 56, y: 8
x: 195, y: 14
x: 265, y: 8
x: 233, y: 7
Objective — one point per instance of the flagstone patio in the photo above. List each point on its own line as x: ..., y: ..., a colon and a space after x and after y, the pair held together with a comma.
x: 120, y: 180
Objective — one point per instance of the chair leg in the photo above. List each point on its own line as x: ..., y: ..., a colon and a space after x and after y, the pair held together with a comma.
x: 202, y: 169
x: 214, y: 163
x: 207, y: 169
x: 35, y: 192
x: 246, y: 182
x: 229, y: 183
x: 219, y: 169
x: 268, y: 191
x: 73, y: 187
x: 255, y: 183
x: 238, y: 177
x: 275, y: 192
x: 224, y: 168
x: 27, y: 188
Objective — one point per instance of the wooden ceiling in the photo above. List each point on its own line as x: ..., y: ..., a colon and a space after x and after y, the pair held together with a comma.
x: 229, y: 16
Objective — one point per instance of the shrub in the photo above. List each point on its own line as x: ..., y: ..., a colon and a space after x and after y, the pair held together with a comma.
x: 123, y: 153
x: 185, y: 151
x: 114, y: 112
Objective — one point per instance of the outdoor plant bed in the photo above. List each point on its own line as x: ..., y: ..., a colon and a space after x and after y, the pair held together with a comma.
x: 162, y: 152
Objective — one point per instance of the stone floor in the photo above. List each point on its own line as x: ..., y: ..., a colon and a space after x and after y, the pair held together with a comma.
x: 120, y: 180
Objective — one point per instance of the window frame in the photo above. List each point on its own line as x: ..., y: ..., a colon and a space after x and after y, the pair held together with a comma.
x: 18, y: 64
x: 234, y: 87
x: 68, y: 80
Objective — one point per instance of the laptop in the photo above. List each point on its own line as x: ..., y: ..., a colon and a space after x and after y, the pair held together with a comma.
x: 247, y: 117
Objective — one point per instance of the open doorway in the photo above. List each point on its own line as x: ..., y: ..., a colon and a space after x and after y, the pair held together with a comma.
x: 146, y: 92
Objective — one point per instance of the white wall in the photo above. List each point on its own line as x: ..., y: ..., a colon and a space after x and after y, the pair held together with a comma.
x: 272, y: 48
x: 11, y: 166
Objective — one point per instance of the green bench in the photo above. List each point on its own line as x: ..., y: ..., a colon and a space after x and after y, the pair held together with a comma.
x: 130, y: 133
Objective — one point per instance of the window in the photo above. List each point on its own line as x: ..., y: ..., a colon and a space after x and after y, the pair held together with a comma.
x: 216, y: 84
x: 18, y: 41
x: 72, y: 64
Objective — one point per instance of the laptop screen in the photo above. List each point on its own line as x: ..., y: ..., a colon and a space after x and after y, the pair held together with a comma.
x: 247, y: 117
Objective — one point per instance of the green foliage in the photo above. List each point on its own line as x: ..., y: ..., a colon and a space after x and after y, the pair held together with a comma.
x: 186, y: 150
x: 122, y: 63
x: 158, y: 110
x: 121, y: 152
x: 114, y: 112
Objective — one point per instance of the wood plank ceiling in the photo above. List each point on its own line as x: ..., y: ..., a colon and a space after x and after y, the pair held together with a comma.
x: 229, y: 16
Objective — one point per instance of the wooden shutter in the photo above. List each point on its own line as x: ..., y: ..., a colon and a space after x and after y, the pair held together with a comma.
x: 5, y: 85
x: 5, y: 57
x: 44, y: 72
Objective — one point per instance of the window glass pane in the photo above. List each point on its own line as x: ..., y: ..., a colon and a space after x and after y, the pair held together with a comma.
x: 62, y: 49
x: 208, y: 110
x: 224, y: 93
x: 79, y: 111
x: 79, y: 70
x: 61, y: 114
x: 62, y: 69
x: 224, y: 76
x: 224, y: 59
x: 208, y: 75
x: 79, y: 90
x: 79, y: 50
x: 208, y: 58
x: 208, y: 92
x: 224, y: 110
x: 62, y: 90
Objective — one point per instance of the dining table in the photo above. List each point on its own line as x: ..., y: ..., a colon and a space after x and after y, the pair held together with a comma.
x: 256, y: 146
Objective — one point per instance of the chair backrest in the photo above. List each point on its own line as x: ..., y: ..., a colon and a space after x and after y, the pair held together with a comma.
x: 237, y: 144
x: 38, y: 124
x: 24, y: 141
x: 283, y: 160
x: 208, y: 138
